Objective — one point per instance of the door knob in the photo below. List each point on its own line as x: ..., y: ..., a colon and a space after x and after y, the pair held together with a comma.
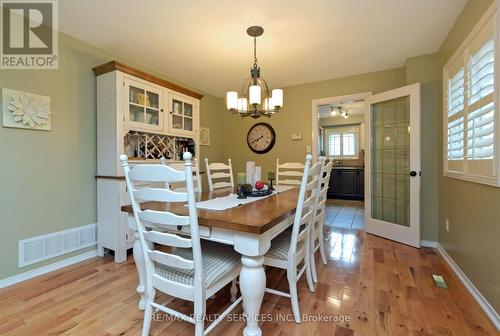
x: 413, y: 173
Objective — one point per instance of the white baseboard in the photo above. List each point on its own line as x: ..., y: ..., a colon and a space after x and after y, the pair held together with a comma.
x: 47, y: 268
x: 476, y: 294
x: 429, y: 243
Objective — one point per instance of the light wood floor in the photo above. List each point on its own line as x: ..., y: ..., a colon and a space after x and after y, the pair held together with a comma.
x: 384, y: 287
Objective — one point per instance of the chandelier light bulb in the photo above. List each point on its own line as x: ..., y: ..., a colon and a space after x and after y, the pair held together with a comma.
x: 232, y: 100
x: 242, y: 105
x: 254, y: 94
x: 277, y: 97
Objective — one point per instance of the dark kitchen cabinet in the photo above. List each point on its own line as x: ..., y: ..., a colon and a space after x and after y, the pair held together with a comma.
x: 347, y: 183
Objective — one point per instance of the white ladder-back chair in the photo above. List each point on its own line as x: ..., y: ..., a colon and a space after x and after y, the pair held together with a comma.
x: 189, y: 271
x: 291, y: 247
x: 289, y: 173
x: 197, y: 178
x: 317, y: 226
x: 217, y: 171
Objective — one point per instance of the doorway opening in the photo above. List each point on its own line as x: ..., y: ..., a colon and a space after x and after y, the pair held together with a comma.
x: 339, y: 135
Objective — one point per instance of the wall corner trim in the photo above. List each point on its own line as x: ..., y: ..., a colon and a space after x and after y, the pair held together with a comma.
x: 47, y: 268
x: 476, y: 294
x: 429, y: 243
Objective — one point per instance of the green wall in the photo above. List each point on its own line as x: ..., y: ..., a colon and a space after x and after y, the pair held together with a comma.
x: 295, y: 117
x: 473, y: 209
x: 47, y: 179
x: 425, y: 70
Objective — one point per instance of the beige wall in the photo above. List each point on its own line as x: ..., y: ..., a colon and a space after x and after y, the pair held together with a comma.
x: 335, y: 121
x: 473, y: 209
x: 47, y: 179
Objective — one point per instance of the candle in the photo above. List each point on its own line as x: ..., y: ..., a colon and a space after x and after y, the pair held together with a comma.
x: 257, y: 174
x: 250, y: 169
x: 242, y: 178
x: 270, y: 176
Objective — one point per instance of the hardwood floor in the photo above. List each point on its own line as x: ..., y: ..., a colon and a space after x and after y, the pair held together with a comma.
x: 371, y: 286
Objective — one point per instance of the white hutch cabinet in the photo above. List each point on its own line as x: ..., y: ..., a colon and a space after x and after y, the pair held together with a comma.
x: 146, y: 118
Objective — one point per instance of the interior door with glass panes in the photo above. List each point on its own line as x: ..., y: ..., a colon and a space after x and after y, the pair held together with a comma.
x: 144, y: 106
x: 182, y: 115
x: 392, y: 172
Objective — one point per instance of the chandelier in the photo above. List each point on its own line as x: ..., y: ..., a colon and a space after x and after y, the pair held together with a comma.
x: 254, y: 99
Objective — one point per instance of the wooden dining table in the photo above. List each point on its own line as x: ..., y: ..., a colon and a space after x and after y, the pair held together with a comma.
x: 249, y: 228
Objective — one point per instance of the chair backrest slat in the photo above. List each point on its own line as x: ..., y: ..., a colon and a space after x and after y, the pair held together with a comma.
x: 181, y: 187
x: 156, y: 173
x: 288, y: 170
x: 217, y: 170
x: 160, y: 195
x: 167, y: 239
x: 170, y: 260
x: 163, y: 218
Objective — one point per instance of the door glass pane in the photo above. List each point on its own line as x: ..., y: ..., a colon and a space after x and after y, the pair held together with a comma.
x: 188, y: 110
x: 176, y: 121
x: 188, y: 124
x: 152, y: 99
x: 136, y: 113
x: 136, y: 95
x: 176, y: 106
x: 152, y: 117
x: 391, y: 161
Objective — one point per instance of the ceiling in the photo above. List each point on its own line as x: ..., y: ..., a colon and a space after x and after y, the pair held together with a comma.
x: 354, y: 108
x: 204, y: 43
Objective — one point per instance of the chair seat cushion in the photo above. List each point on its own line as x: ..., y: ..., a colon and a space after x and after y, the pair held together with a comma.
x: 218, y: 260
x: 281, y: 244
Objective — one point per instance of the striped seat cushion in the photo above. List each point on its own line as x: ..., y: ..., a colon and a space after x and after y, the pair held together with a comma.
x: 218, y: 260
x: 281, y: 244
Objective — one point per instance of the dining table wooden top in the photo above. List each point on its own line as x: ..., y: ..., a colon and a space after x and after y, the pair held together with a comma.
x: 254, y: 217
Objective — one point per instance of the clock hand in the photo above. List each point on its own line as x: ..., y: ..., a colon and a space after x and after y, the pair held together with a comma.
x: 257, y: 139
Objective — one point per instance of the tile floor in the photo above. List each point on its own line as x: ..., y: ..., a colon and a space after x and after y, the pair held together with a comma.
x: 345, y: 214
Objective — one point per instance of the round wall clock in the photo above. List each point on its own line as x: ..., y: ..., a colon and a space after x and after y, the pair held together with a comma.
x: 261, y: 138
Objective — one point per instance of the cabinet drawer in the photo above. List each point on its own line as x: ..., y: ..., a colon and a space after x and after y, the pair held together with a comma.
x: 204, y: 230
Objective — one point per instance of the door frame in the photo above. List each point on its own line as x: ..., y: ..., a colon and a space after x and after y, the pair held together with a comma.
x: 315, y: 116
x: 391, y: 231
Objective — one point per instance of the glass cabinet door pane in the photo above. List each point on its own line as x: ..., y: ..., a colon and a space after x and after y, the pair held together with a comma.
x: 152, y: 117
x: 136, y: 95
x: 176, y: 121
x: 136, y: 113
x: 176, y: 106
x: 188, y: 124
x: 152, y: 99
x: 390, y: 154
x: 188, y: 110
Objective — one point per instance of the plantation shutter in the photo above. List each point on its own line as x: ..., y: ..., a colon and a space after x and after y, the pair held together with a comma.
x: 334, y: 144
x: 469, y: 93
x: 481, y: 103
x: 342, y: 141
x: 455, y: 102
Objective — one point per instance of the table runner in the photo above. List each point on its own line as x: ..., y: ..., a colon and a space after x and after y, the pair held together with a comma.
x: 232, y: 201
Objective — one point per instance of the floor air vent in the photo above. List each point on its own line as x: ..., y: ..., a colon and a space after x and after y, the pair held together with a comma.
x: 36, y: 249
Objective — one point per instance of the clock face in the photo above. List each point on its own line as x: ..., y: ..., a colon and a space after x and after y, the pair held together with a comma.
x: 261, y: 138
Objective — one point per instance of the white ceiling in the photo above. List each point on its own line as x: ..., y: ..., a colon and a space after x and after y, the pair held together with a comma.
x: 204, y: 43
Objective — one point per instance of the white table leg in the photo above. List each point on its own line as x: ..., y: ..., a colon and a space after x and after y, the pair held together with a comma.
x: 252, y: 286
x: 141, y: 270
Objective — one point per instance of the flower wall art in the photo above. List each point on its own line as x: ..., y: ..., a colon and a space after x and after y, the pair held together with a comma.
x: 26, y: 110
